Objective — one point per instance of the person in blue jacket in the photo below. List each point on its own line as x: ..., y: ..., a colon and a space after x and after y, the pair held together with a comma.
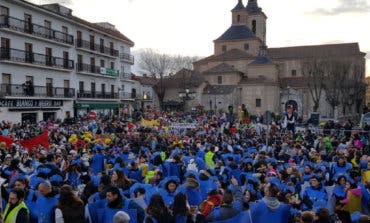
x: 116, y: 202
x: 269, y: 209
x: 228, y: 208
x: 315, y: 194
x: 97, y: 161
x: 46, y: 202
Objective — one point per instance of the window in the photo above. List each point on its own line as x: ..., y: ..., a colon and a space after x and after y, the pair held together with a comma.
x: 112, y: 90
x: 79, y: 38
x: 28, y: 52
x: 4, y: 10
x: 93, y: 88
x: 49, y: 87
x: 48, y: 31
x: 79, y: 62
x: 6, y: 81
x: 48, y: 56
x: 92, y: 64
x: 66, y: 60
x: 294, y: 73
x: 111, y: 46
x: 101, y: 45
x: 103, y: 89
x: 254, y: 26
x: 246, y: 46
x: 258, y: 103
x: 65, y: 33
x: 67, y: 92
x: 92, y: 42
x: 28, y: 23
x: 102, y: 63
x: 5, y: 51
x: 224, y: 48
x: 111, y: 65
x: 219, y: 79
x: 238, y: 18
x: 81, y: 86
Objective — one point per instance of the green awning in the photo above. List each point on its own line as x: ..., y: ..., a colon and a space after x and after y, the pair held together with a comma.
x: 96, y: 105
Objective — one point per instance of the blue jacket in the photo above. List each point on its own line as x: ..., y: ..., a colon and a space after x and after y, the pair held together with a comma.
x: 45, y: 208
x: 313, y: 197
x: 262, y: 214
x: 97, y: 163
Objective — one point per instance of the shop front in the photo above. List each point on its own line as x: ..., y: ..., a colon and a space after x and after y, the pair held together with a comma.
x: 100, y: 108
x: 34, y: 110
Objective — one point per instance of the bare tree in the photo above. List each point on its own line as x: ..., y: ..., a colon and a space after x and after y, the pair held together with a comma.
x: 337, y: 75
x: 314, y: 70
x: 160, y: 65
x: 359, y: 85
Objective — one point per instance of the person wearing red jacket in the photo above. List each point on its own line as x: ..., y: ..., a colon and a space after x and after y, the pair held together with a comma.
x: 214, y: 199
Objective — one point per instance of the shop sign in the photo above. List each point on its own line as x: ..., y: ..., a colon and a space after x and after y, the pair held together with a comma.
x: 29, y: 103
x: 109, y: 72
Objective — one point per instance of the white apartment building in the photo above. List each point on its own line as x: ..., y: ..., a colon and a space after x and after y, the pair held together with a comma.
x: 54, y: 65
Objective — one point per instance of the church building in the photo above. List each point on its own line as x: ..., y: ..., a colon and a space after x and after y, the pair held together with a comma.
x: 243, y: 70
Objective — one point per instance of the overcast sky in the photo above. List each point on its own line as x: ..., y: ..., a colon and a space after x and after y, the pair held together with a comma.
x: 188, y: 27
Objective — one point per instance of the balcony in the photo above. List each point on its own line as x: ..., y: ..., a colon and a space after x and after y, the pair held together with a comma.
x: 125, y: 77
x: 97, y: 95
x: 126, y: 96
x: 90, y: 46
x: 23, y: 90
x: 92, y: 69
x: 27, y: 28
x: 125, y: 57
x: 21, y: 56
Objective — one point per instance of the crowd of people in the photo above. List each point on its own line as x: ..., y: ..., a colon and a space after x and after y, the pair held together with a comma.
x: 184, y: 168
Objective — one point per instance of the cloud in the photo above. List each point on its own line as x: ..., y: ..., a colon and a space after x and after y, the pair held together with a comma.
x: 346, y: 6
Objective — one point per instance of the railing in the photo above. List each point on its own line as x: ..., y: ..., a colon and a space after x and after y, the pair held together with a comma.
x: 96, y: 70
x: 96, y: 47
x: 127, y: 57
x: 22, y: 56
x: 96, y: 94
x: 88, y: 68
x: 126, y: 95
x: 125, y: 76
x: 26, y: 90
x: 34, y: 29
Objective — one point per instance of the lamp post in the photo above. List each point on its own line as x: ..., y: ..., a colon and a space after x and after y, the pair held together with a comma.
x: 186, y: 96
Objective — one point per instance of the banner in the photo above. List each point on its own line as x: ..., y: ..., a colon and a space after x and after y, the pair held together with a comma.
x: 42, y: 139
x: 183, y: 126
x: 151, y: 123
x: 8, y: 141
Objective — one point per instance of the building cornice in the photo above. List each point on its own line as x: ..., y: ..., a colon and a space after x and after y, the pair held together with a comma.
x: 69, y: 20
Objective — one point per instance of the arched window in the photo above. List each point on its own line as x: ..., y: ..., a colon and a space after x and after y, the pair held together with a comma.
x: 254, y: 26
x: 238, y: 18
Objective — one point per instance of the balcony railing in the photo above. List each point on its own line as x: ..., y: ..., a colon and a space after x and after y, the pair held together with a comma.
x: 96, y: 94
x: 26, y: 90
x: 126, y: 95
x: 96, y: 70
x: 127, y: 57
x: 22, y: 56
x: 125, y: 76
x: 34, y: 29
x: 96, y: 47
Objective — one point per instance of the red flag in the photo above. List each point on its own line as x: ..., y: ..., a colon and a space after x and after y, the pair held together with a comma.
x: 42, y: 139
x: 8, y: 141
